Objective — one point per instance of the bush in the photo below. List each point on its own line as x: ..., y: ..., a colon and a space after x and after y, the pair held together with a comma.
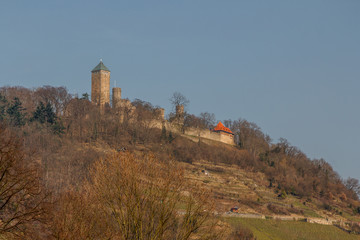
x: 327, y: 206
x: 277, y: 209
x: 242, y: 233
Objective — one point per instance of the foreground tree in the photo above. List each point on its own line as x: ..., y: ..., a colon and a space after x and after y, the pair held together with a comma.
x: 21, y: 198
x: 138, y: 198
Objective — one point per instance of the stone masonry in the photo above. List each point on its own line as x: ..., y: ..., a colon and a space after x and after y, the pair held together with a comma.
x: 116, y: 97
x: 100, y: 85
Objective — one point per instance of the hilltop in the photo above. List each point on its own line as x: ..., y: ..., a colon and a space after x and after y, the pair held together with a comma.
x: 64, y: 137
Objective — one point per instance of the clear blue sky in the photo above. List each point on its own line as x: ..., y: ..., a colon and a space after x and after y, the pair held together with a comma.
x: 292, y: 67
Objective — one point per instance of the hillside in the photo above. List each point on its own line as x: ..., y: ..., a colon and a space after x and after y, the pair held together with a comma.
x: 72, y: 150
x: 279, y: 230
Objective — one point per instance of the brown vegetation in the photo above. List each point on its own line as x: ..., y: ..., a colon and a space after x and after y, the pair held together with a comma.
x: 133, y: 195
x: 22, y: 199
x: 130, y: 197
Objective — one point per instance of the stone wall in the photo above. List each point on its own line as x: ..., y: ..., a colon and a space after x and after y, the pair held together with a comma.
x: 215, y: 136
x: 126, y: 109
x: 321, y: 221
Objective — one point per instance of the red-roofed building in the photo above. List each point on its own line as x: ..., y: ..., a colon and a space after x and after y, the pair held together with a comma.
x: 220, y: 128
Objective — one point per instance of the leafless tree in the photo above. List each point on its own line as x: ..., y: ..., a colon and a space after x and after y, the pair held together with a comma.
x: 22, y: 201
x: 58, y: 97
x: 208, y: 119
x: 353, y: 185
x: 132, y: 197
x: 251, y: 137
x: 177, y: 99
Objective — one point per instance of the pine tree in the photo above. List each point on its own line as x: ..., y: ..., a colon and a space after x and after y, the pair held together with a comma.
x: 16, y: 113
x: 3, y: 106
x: 46, y: 114
x: 85, y: 96
x: 50, y: 114
x: 39, y: 115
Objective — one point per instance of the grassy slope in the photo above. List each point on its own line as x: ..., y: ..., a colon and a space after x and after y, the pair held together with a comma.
x: 279, y: 230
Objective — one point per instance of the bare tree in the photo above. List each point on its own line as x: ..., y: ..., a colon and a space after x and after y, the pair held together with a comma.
x: 21, y: 197
x: 193, y: 121
x: 25, y: 95
x: 251, y: 137
x: 228, y: 123
x: 145, y: 119
x: 132, y: 197
x: 353, y: 185
x: 208, y: 119
x: 58, y: 97
x: 72, y: 220
x: 177, y: 99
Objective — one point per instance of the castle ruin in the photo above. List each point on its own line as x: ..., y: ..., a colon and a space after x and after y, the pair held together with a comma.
x: 100, y: 95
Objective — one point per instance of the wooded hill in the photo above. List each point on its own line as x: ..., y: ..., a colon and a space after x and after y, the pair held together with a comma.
x: 51, y: 149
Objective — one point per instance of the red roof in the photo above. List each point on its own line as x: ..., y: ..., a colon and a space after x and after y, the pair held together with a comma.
x: 221, y: 127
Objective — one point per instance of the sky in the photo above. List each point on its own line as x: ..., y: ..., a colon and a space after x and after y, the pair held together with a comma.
x: 291, y: 67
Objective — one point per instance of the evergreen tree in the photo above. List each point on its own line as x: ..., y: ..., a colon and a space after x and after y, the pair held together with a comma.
x: 46, y: 114
x: 3, y: 106
x: 16, y: 113
x: 85, y: 96
x: 50, y: 114
x: 39, y: 114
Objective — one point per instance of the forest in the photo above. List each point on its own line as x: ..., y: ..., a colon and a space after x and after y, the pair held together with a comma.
x: 69, y: 172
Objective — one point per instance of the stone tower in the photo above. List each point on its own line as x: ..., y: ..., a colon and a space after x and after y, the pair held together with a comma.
x: 100, y: 85
x: 116, y: 97
x: 180, y: 114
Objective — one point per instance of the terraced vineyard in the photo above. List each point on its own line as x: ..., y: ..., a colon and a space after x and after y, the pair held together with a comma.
x: 232, y: 186
x: 284, y: 230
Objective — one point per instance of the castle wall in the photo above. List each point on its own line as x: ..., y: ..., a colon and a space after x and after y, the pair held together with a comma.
x: 100, y: 87
x: 160, y: 112
x: 215, y: 136
x: 194, y: 132
x: 126, y: 110
x: 100, y: 95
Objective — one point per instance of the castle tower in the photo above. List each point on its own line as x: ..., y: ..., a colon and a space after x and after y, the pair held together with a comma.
x: 116, y: 97
x: 180, y: 114
x: 180, y: 111
x: 100, y: 85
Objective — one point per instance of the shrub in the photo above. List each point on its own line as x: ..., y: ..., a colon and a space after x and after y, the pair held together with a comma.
x: 277, y: 209
x: 242, y: 233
